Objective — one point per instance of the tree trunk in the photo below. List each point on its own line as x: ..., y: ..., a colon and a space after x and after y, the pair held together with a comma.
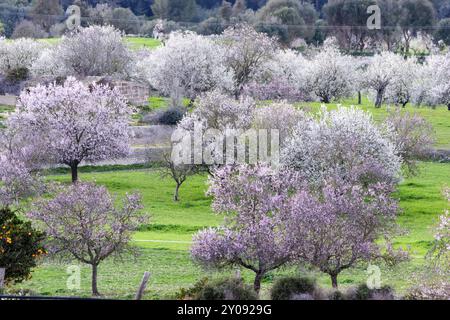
x: 379, y: 100
x: 325, y: 100
x: 2, y: 278
x: 334, y: 281
x: 257, y: 282
x: 94, y: 280
x: 74, y: 170
x: 177, y: 191
x: 359, y: 97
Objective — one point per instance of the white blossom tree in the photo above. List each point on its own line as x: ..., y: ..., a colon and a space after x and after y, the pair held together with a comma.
x: 331, y: 75
x: 400, y: 91
x: 78, y: 123
x: 92, y: 51
x: 245, y: 50
x: 434, y: 84
x: 344, y: 143
x: 282, y: 77
x: 380, y: 73
x: 18, y: 54
x: 188, y: 65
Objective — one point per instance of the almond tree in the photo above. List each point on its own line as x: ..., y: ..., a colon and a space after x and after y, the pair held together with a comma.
x: 436, y: 85
x: 78, y: 123
x: 91, y: 51
x: 245, y: 49
x: 330, y: 75
x: 83, y: 221
x: 186, y: 66
x: 281, y: 78
x: 18, y: 55
x: 338, y: 227
x: 400, y: 90
x: 344, y: 142
x: 380, y: 73
x: 253, y: 236
x: 413, y: 137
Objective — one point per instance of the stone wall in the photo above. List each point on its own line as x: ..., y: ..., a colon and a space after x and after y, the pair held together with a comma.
x: 136, y: 93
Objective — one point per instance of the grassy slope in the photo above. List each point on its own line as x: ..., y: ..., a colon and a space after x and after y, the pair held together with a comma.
x: 170, y: 263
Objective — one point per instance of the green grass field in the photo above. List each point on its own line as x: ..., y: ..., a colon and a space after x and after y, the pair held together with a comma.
x: 165, y: 242
x: 135, y: 43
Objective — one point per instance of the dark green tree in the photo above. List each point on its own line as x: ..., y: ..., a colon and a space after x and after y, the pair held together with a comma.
x: 20, y: 246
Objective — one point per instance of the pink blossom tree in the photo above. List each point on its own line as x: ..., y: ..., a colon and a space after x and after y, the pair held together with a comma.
x: 16, y: 181
x: 83, y: 221
x: 253, y: 237
x: 337, y: 227
x: 19, y: 160
x: 78, y: 123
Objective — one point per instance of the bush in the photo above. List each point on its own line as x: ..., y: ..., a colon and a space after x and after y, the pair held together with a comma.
x: 169, y: 116
x: 227, y: 289
x: 27, y: 29
x: 17, y: 75
x: 224, y: 289
x: 172, y: 115
x: 440, y: 291
x: 20, y: 246
x: 363, y: 292
x: 293, y: 287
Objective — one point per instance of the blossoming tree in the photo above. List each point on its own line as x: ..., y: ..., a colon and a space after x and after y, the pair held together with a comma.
x: 330, y: 75
x: 338, y: 227
x: 91, y: 51
x: 186, y: 66
x: 83, y: 221
x: 253, y: 237
x: 344, y: 142
x: 380, y: 73
x: 78, y: 123
x: 245, y: 49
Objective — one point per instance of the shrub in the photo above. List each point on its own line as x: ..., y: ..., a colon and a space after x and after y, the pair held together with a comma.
x: 363, y: 292
x: 290, y: 287
x: 17, y: 75
x: 227, y: 289
x: 171, y: 116
x: 336, y: 295
x: 20, y: 246
x: 27, y: 29
x: 440, y: 291
x: 224, y: 289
